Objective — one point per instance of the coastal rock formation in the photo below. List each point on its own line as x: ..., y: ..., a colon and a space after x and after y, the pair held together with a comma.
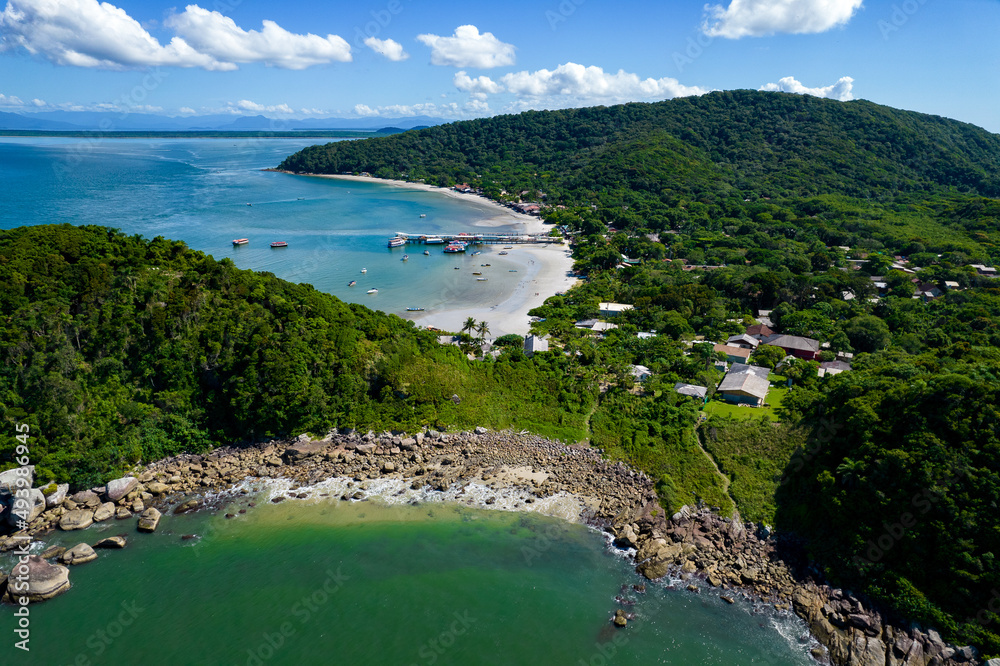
x: 76, y: 519
x: 149, y: 520
x: 119, y: 488
x: 78, y: 554
x: 104, y: 512
x: 37, y: 580
x: 111, y: 542
x: 730, y: 556
x: 57, y: 496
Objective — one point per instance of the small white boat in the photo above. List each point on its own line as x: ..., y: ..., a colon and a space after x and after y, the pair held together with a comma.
x: 414, y: 309
x: 364, y: 270
x: 241, y: 241
x: 405, y: 257
x: 423, y: 215
x: 373, y: 290
x: 481, y: 279
x: 427, y: 253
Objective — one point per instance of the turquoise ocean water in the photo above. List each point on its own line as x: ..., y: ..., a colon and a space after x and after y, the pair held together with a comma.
x: 320, y: 581
x: 198, y: 190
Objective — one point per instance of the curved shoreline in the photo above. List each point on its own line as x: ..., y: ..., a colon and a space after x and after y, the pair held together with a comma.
x: 546, y: 268
x: 514, y: 471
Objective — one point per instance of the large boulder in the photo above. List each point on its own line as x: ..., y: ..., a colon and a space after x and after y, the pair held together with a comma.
x: 149, y: 520
x: 303, y: 450
x: 78, y: 554
x: 17, y: 478
x: 37, y: 580
x: 157, y: 488
x: 55, y: 497
x: 119, y: 488
x: 87, y: 498
x: 77, y: 519
x: 104, y: 512
x: 111, y: 542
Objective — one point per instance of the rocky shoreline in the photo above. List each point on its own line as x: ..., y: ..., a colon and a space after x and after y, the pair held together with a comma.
x: 725, y: 555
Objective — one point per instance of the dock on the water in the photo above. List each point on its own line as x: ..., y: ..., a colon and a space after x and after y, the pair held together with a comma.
x: 479, y: 239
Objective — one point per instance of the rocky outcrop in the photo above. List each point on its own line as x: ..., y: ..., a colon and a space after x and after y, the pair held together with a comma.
x: 37, y: 580
x: 114, y: 542
x: 56, y: 496
x: 77, y: 519
x: 104, y: 512
x: 149, y: 520
x: 119, y: 488
x: 78, y: 554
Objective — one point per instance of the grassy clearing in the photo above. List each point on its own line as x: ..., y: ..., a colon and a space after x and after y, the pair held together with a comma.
x: 753, y: 453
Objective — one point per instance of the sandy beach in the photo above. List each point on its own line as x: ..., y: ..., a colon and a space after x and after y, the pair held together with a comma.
x: 544, y: 269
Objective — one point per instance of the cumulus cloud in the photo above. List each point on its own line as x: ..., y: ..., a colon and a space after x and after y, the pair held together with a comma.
x: 187, y: 110
x: 757, y: 18
x: 219, y: 36
x: 389, y: 48
x: 841, y: 90
x: 247, y: 105
x: 10, y: 100
x: 88, y: 33
x: 474, y: 107
x: 592, y: 84
x: 468, y: 48
x: 480, y: 84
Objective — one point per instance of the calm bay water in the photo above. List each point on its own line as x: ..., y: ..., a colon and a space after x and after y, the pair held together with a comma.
x: 321, y: 581
x: 197, y: 191
x: 310, y: 582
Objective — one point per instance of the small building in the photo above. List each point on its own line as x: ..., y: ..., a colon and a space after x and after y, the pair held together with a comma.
x: 987, y: 271
x: 794, y: 345
x: 613, y: 309
x: 534, y: 343
x: 761, y: 330
x: 644, y: 335
x: 692, y: 390
x: 745, y: 385
x: 641, y: 372
x: 587, y: 323
x: 831, y: 368
x: 744, y: 340
x: 734, y: 354
x: 764, y: 317
x: 603, y: 327
x: 951, y: 285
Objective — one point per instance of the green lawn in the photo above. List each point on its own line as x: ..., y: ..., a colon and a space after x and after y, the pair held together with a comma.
x: 775, y: 396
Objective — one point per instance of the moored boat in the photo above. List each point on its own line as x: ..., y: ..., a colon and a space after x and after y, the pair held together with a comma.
x: 414, y: 309
x: 373, y: 290
x: 427, y: 252
x: 397, y: 242
x: 433, y: 240
x: 364, y: 270
x: 481, y: 279
x: 279, y: 244
x: 241, y: 241
x: 352, y: 283
x: 405, y: 257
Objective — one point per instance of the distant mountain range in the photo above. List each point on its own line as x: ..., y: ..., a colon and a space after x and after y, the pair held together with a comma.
x: 117, y: 121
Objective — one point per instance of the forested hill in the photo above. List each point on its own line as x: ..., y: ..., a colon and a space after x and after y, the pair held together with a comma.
x: 116, y: 349
x: 751, y: 143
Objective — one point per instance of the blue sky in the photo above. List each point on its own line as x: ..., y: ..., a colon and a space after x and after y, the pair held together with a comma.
x: 459, y: 59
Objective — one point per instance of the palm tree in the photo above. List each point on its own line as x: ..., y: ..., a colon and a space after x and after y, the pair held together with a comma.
x: 484, y: 330
x: 469, y: 326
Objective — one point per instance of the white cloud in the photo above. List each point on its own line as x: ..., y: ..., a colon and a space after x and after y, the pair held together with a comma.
x: 187, y: 110
x: 247, y: 105
x: 11, y: 100
x: 480, y: 84
x: 39, y: 102
x: 468, y: 48
x: 841, y: 90
x: 571, y: 81
x: 389, y: 48
x: 85, y: 33
x: 88, y: 33
x: 757, y: 18
x: 312, y: 112
x: 472, y: 108
x: 220, y: 37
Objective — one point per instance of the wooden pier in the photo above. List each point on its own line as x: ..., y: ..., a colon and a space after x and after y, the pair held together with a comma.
x: 480, y: 239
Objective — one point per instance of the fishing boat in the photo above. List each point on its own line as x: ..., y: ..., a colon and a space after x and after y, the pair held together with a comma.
x: 427, y: 252
x: 364, y: 270
x: 477, y: 273
x: 451, y: 249
x: 397, y: 242
x: 279, y: 244
x: 503, y: 253
x: 481, y: 279
x: 405, y: 257
x: 241, y: 241
x: 373, y: 290
x: 477, y: 253
x: 352, y: 283
x: 414, y: 309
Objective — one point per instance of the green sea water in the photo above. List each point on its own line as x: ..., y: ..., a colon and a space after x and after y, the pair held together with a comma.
x: 322, y: 581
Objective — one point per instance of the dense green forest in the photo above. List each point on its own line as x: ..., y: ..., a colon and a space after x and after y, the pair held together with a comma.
x: 120, y: 349
x: 791, y: 204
